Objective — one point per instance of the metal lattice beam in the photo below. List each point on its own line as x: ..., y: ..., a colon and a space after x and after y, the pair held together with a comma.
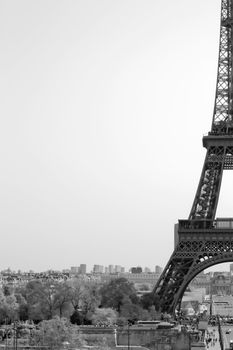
x: 223, y: 111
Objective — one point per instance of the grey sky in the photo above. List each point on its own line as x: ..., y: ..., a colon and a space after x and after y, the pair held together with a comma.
x: 103, y: 107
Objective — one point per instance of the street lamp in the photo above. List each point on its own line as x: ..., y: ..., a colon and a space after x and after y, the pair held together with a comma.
x: 15, y: 335
x: 7, y: 331
x: 129, y: 324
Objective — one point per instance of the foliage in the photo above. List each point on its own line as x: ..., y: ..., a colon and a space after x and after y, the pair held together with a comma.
x: 116, y: 292
x: 53, y: 332
x: 11, y: 307
x: 91, y: 299
x: 62, y: 296
x: 77, y: 317
x: 133, y: 312
x: 7, y: 290
x: 105, y: 316
x: 148, y: 300
x: 84, y: 298
x: 8, y: 308
x: 32, y: 295
x: 144, y: 287
x: 56, y: 332
x: 101, y: 345
x: 81, y: 302
x: 75, y: 338
x: 46, y: 299
x: 77, y: 292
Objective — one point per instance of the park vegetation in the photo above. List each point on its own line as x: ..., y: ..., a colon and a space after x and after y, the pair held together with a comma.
x: 53, y: 310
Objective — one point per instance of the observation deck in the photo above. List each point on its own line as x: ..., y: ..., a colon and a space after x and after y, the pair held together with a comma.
x: 224, y: 140
x: 219, y: 224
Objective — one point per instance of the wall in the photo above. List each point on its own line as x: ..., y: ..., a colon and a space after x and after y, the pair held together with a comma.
x: 155, y: 339
x: 149, y: 337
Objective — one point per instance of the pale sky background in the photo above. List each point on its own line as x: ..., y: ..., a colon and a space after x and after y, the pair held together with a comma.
x: 103, y: 107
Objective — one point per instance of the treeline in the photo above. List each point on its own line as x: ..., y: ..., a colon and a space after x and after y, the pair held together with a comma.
x: 77, y: 301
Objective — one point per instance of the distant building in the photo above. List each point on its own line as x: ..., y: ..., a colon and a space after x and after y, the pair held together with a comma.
x: 142, y: 278
x: 137, y: 269
x: 158, y: 269
x: 117, y: 268
x: 83, y: 269
x: 221, y: 284
x: 74, y: 269
x: 148, y: 279
x: 201, y: 281
x: 147, y: 270
x: 111, y: 269
x: 98, y: 269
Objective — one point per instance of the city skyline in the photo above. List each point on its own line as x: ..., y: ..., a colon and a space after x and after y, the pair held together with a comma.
x: 104, y: 105
x: 114, y: 269
x: 223, y: 267
x: 89, y: 269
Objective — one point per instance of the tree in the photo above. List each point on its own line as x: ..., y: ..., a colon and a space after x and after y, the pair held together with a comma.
x: 12, y: 307
x: 77, y: 292
x: 47, y: 295
x: 105, y: 316
x: 77, y: 317
x: 55, y: 333
x: 23, y: 307
x: 144, y: 287
x: 51, y: 332
x: 133, y: 312
x: 116, y: 292
x: 7, y: 290
x: 84, y: 298
x: 148, y: 300
x: 62, y: 296
x: 90, y: 300
x: 76, y: 339
x: 8, y: 307
x: 40, y: 297
x: 32, y: 294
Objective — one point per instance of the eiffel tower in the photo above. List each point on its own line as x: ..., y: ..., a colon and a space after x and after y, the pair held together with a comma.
x: 203, y: 240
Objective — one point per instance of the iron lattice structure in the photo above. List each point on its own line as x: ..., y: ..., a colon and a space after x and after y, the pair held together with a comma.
x: 202, y: 240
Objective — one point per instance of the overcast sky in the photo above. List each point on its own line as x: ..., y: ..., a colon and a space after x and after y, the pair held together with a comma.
x: 103, y: 107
